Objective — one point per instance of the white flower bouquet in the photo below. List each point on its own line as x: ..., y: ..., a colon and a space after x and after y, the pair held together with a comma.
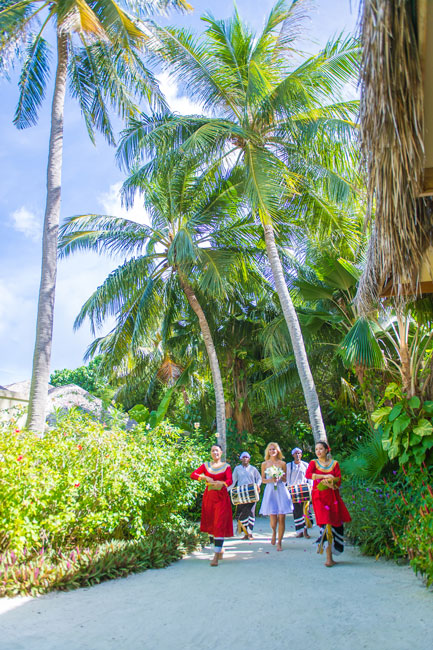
x: 274, y: 472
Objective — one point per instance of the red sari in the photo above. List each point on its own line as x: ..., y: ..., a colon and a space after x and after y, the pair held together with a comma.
x: 216, y: 510
x: 328, y: 505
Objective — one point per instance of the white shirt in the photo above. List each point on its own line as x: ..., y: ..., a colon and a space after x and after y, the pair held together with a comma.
x: 295, y: 473
x: 245, y: 475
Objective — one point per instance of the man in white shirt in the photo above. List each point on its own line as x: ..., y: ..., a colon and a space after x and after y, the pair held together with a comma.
x: 245, y: 474
x: 295, y: 473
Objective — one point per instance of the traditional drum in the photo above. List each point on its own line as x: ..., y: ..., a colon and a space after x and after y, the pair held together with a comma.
x: 301, y: 492
x: 245, y: 494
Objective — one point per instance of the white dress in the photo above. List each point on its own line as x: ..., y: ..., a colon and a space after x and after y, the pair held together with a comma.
x: 276, y: 501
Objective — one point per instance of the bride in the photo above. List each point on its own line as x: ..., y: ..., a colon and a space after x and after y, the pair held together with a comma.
x: 276, y: 502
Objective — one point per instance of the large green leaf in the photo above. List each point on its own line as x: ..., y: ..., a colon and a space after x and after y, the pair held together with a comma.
x: 395, y: 412
x: 156, y: 417
x: 414, y: 402
x: 401, y: 423
x: 380, y: 414
x: 423, y: 428
x: 428, y: 407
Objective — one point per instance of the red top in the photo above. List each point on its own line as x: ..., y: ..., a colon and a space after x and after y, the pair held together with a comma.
x: 329, y: 507
x: 216, y: 511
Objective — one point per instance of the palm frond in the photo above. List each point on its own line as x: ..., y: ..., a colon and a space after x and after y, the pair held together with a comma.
x: 32, y: 83
x: 101, y: 233
x: 360, y: 346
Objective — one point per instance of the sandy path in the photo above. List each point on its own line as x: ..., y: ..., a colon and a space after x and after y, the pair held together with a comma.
x: 256, y: 599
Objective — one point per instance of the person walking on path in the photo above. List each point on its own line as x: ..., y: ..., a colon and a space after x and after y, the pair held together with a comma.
x: 295, y: 473
x: 245, y: 474
x: 276, y: 501
x: 329, y: 508
x: 216, y: 511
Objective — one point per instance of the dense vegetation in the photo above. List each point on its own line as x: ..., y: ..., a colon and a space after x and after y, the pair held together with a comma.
x: 81, y: 498
x: 234, y: 312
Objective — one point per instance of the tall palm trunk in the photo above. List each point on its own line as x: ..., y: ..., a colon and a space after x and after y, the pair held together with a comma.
x: 44, y: 325
x: 297, y: 340
x: 405, y: 362
x: 213, y: 362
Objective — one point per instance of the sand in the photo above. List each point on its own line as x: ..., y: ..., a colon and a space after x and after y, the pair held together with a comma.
x: 257, y: 599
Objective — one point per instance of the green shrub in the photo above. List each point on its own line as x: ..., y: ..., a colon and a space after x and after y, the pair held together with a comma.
x: 83, y: 567
x: 416, y: 506
x: 394, y: 517
x: 406, y: 426
x: 372, y: 506
x: 84, y: 484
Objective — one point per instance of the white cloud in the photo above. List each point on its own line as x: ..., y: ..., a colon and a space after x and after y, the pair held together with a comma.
x: 178, y: 103
x: 27, y: 222
x: 112, y: 205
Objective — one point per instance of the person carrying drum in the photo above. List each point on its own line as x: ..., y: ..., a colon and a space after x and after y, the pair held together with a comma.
x: 246, y: 474
x: 296, y: 476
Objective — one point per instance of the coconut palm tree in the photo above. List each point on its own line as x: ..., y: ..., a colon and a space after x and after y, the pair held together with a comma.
x: 98, y: 50
x: 283, y: 121
x: 186, y: 252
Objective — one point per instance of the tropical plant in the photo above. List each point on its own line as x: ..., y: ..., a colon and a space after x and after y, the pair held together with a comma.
x: 84, y: 483
x: 369, y: 458
x: 99, y: 46
x: 405, y: 424
x: 89, y: 377
x: 281, y: 122
x: 186, y: 251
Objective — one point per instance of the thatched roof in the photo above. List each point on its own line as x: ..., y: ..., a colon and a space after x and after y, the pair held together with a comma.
x: 392, y: 145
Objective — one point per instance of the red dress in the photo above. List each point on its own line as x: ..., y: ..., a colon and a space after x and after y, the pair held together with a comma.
x: 216, y: 510
x: 328, y: 505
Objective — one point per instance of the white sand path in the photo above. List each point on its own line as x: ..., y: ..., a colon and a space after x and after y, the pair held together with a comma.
x: 257, y: 599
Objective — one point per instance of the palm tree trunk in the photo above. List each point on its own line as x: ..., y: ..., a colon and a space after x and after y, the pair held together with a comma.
x: 366, y: 392
x: 405, y: 364
x: 297, y: 340
x: 44, y: 325
x: 242, y: 412
x: 213, y: 362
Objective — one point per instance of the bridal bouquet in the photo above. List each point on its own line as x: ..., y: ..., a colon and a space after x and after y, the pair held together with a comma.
x: 274, y: 472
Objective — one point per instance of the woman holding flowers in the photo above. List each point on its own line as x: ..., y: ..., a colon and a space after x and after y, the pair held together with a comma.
x: 329, y: 507
x: 216, y: 511
x: 276, y: 501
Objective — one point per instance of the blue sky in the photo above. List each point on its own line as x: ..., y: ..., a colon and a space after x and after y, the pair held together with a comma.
x: 90, y: 183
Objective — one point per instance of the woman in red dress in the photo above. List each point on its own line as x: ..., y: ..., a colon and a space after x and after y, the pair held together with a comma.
x: 329, y: 507
x: 216, y: 511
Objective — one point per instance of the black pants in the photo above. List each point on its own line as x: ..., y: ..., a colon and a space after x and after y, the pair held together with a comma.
x: 298, y: 516
x: 246, y: 515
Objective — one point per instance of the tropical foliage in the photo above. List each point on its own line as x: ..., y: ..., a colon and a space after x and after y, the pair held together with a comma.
x: 84, y: 484
x: 89, y: 377
x: 99, y: 50
x: 235, y: 305
x: 187, y: 251
x: 284, y: 125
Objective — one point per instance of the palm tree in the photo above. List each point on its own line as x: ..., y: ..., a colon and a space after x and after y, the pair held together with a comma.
x: 285, y: 123
x: 185, y: 252
x: 99, y: 47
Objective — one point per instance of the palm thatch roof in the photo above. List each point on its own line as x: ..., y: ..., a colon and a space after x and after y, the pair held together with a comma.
x: 393, y: 37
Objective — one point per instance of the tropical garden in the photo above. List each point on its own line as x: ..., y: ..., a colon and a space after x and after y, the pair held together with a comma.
x: 236, y: 313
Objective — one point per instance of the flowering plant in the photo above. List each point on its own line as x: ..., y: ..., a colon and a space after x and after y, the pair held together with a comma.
x: 274, y: 472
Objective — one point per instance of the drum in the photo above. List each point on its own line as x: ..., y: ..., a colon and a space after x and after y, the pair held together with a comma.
x: 301, y: 492
x: 245, y: 494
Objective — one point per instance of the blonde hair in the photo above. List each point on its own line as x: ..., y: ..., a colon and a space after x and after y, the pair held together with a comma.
x: 277, y: 447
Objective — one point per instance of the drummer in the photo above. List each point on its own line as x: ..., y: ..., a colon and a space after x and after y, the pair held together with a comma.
x: 296, y: 475
x: 245, y: 474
